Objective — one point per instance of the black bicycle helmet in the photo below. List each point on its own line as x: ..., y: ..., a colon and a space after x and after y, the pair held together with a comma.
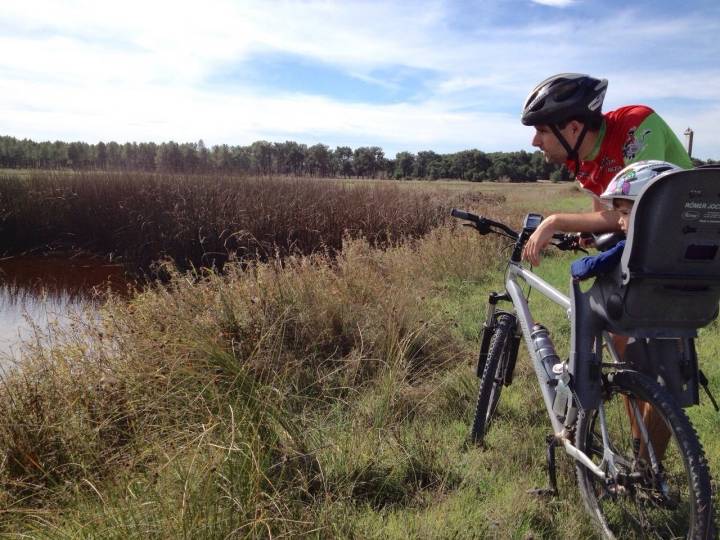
x: 562, y: 97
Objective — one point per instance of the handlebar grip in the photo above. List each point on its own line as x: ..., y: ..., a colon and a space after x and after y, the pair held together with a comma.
x: 463, y: 215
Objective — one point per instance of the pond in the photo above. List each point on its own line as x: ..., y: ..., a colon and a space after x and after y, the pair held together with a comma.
x: 37, y: 292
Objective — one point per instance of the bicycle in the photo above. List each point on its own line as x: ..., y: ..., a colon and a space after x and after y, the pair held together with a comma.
x: 630, y: 488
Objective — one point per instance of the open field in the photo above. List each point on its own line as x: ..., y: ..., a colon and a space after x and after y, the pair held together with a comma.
x: 318, y: 396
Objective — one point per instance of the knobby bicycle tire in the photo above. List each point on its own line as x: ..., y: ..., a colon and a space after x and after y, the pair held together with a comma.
x: 491, y: 381
x: 675, y: 504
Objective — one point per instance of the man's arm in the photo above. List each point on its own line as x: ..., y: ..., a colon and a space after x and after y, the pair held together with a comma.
x: 593, y: 222
x: 598, y: 206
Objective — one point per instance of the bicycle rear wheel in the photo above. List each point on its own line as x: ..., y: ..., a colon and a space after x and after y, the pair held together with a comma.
x: 493, y: 376
x: 671, y: 501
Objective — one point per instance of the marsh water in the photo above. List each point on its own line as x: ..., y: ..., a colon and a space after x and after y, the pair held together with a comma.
x: 39, y: 292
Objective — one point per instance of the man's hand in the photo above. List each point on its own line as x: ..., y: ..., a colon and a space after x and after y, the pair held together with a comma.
x: 607, y: 220
x: 538, y: 241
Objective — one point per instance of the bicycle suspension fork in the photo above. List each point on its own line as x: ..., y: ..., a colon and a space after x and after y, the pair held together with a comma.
x: 487, y: 332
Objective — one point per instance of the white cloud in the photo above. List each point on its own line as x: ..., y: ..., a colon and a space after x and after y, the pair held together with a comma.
x: 136, y: 70
x: 143, y: 113
x: 652, y: 85
x: 555, y: 3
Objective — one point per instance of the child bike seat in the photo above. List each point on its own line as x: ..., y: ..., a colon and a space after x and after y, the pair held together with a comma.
x: 668, y: 281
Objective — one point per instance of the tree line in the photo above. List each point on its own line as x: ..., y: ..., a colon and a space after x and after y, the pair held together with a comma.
x: 263, y: 158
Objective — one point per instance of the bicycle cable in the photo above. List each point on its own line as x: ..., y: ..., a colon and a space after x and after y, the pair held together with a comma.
x: 527, y: 297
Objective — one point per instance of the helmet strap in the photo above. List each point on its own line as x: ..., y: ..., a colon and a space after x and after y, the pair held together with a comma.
x: 572, y: 152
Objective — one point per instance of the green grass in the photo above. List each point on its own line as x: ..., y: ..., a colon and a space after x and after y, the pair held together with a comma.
x: 315, y: 397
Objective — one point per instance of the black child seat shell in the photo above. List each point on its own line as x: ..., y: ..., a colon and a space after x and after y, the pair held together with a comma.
x: 666, y: 286
x: 668, y: 281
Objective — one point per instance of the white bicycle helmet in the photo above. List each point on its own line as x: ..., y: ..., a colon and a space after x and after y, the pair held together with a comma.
x: 628, y: 183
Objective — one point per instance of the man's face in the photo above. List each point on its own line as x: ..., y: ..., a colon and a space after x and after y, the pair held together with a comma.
x: 551, y: 147
x: 623, y: 208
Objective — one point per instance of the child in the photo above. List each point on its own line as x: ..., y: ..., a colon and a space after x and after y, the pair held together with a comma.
x: 622, y: 191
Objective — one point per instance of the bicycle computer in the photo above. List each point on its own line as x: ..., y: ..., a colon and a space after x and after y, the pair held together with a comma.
x: 532, y: 221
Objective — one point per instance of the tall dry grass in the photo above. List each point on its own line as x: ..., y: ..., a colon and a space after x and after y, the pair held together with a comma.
x: 204, y: 406
x: 201, y: 221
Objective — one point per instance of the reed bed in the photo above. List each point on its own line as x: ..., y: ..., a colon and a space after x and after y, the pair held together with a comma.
x: 203, y: 221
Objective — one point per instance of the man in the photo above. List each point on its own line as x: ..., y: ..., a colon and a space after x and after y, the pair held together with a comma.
x: 566, y: 111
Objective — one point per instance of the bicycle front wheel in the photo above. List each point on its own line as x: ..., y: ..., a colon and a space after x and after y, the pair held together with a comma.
x: 671, y: 500
x: 493, y: 376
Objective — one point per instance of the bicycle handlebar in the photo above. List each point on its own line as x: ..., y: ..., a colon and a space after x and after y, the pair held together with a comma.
x: 484, y: 225
x: 562, y: 241
x: 568, y: 242
x: 460, y: 214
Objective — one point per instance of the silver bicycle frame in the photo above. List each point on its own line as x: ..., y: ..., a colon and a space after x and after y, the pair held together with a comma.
x: 514, y: 273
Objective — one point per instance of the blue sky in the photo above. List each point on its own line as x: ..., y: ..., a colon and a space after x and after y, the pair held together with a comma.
x: 407, y: 75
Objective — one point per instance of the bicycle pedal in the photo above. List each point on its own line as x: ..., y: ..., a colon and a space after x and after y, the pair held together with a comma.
x: 542, y: 492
